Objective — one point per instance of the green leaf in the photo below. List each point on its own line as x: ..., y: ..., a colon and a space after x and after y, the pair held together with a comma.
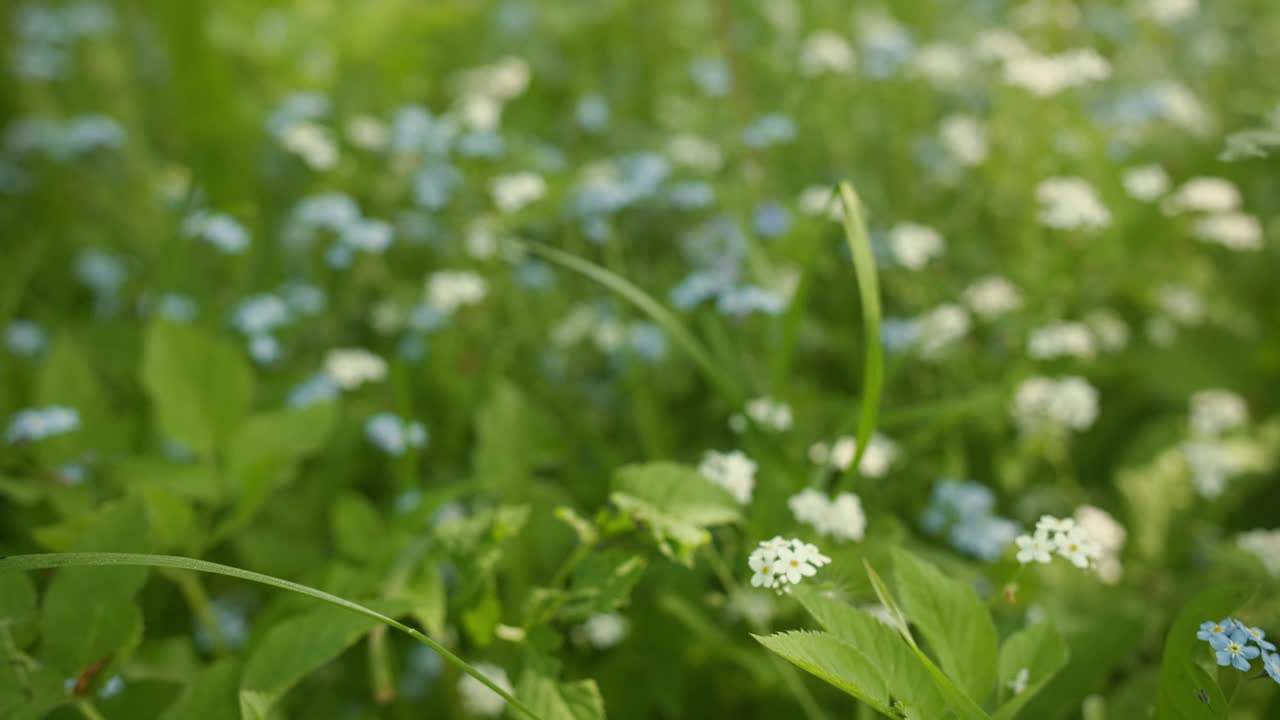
x: 198, y: 482
x: 171, y: 518
x: 67, y: 378
x: 18, y: 611
x: 953, y: 619
x: 835, y: 661
x: 90, y: 560
x: 201, y: 386
x: 1037, y: 649
x: 482, y: 617
x: 358, y: 530
x: 666, y: 319
x: 510, y: 439
x: 210, y: 695
x: 1181, y: 680
x: 89, y: 613
x: 28, y: 691
x: 906, y: 679
x: 864, y: 266
x: 541, y: 690
x: 429, y: 604
x: 676, y: 503
x: 602, y: 583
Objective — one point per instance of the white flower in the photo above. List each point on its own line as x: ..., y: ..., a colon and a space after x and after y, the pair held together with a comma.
x: 992, y: 296
x: 1076, y: 546
x: 1204, y: 194
x: 1265, y: 544
x: 1216, y: 411
x: 1166, y: 12
x: 1048, y: 75
x: 769, y: 414
x: 732, y: 471
x: 1109, y: 536
x: 941, y: 327
x: 449, y: 290
x: 876, y: 459
x: 914, y: 245
x: 1063, y: 339
x: 1051, y: 524
x: 845, y: 519
x: 477, y: 698
x: 779, y: 563
x: 1070, y: 203
x: 1181, y: 303
x: 809, y: 506
x: 313, y: 143
x: 605, y: 630
x: 1146, y: 183
x: 1018, y: 684
x: 351, y: 368
x: 942, y: 64
x: 826, y: 51
x: 695, y: 152
x: 367, y: 132
x: 515, y: 191
x: 965, y: 138
x: 1109, y: 328
x: 1035, y: 548
x: 1232, y: 230
x: 1044, y: 404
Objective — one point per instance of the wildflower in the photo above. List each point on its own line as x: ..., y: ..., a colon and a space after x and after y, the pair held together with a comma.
x: 1063, y: 339
x: 1231, y: 649
x: 711, y: 76
x: 605, y: 630
x: 260, y: 314
x: 25, y: 338
x: 218, y: 229
x: 992, y: 296
x: 312, y: 142
x: 1109, y: 536
x: 1146, y: 183
x: 1035, y: 548
x: 769, y: 130
x: 372, y: 236
x: 1271, y: 663
x: 449, y: 290
x: 732, y: 471
x: 941, y: 327
x: 316, y: 389
x: 1109, y: 328
x: 777, y: 563
x: 1018, y: 684
x: 965, y: 511
x: 842, y: 518
x: 1044, y: 404
x: 1204, y: 194
x: 1209, y: 630
x: 592, y: 113
x: 393, y: 435
x: 513, y: 192
x: 477, y: 698
x: 1062, y: 537
x: 1232, y: 230
x: 1167, y: 12
x: 914, y: 245
x: 1265, y: 545
x: 1048, y: 75
x: 351, y: 368
x: 965, y: 139
x: 1216, y: 411
x: 35, y: 424
x: 876, y: 459
x: 826, y: 52
x: 1070, y: 203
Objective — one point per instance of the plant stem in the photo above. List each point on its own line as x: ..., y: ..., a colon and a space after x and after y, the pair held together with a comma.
x: 88, y: 711
x: 198, y: 600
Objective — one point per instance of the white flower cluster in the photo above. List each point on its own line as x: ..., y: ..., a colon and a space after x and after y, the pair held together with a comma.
x: 842, y: 518
x: 992, y: 296
x: 351, y: 368
x: 1211, y: 458
x: 1062, y: 537
x: 965, y: 138
x: 1266, y: 545
x: 913, y: 246
x: 1216, y: 411
x: 733, y: 471
x: 604, y: 630
x: 1109, y: 535
x: 765, y: 413
x: 1048, y: 75
x: 876, y: 459
x: 1071, y: 203
x: 1061, y: 339
x: 449, y: 290
x: 942, y: 327
x: 779, y: 563
x: 1220, y: 222
x: 1044, y: 404
x: 477, y: 698
x: 826, y: 52
x: 513, y: 192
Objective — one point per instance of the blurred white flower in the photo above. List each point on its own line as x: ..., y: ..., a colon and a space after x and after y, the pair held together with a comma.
x: 1204, y: 194
x: 965, y: 138
x: 1232, y: 230
x: 351, y: 368
x: 768, y: 414
x: 1044, y: 404
x: 941, y: 327
x: 943, y: 65
x: 1109, y: 535
x: 1109, y: 328
x: 1146, y: 183
x: 1070, y: 203
x: 841, y: 518
x: 879, y: 455
x: 448, y: 290
x: 1000, y: 44
x: 1048, y: 75
x: 1062, y: 339
x: 1166, y: 12
x: 1181, y: 303
x: 513, y: 192
x: 313, y: 143
x: 826, y: 52
x: 477, y: 698
x: 914, y: 245
x: 992, y: 296
x: 1265, y: 544
x: 605, y: 630
x: 695, y: 152
x: 733, y: 471
x: 368, y: 133
x: 1216, y: 411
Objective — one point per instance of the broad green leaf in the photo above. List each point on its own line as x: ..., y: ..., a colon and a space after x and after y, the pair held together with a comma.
x: 1183, y: 684
x: 201, y: 386
x: 171, y: 518
x: 294, y: 648
x: 89, y: 613
x: 907, y: 680
x: 510, y: 439
x: 429, y: 603
x: 602, y: 583
x: 835, y: 661
x: 480, y: 619
x: 196, y: 481
x: 18, y: 610
x: 1038, y: 650
x: 953, y: 619
x: 210, y: 695
x: 28, y: 691
x: 540, y: 689
x: 358, y: 530
x: 257, y: 705
x: 67, y: 378
x: 676, y: 503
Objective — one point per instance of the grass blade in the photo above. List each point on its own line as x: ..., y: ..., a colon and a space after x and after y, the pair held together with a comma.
x: 864, y: 267
x: 654, y: 309
x: 94, y: 559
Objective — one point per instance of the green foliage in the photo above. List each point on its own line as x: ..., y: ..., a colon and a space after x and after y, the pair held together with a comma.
x: 1038, y: 651
x: 1184, y: 684
x: 676, y: 503
x: 550, y: 699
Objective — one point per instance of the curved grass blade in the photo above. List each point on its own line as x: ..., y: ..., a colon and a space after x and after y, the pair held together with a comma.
x: 645, y: 302
x: 864, y: 267
x: 95, y: 559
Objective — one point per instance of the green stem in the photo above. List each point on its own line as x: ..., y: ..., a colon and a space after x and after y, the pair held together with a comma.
x: 198, y: 600
x: 88, y: 711
x: 57, y: 560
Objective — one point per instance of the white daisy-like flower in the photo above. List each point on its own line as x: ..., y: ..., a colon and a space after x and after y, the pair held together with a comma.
x: 1216, y: 411
x: 1035, y: 548
x: 1076, y: 546
x: 793, y: 568
x: 780, y: 563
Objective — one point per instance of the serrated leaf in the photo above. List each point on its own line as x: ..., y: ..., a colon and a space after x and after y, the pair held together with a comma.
x: 953, y: 619
x: 835, y: 661
x: 210, y: 694
x: 1038, y: 650
x: 201, y: 386
x: 1181, y: 679
x: 904, y: 676
x: 602, y: 583
x: 550, y: 699
x: 676, y: 503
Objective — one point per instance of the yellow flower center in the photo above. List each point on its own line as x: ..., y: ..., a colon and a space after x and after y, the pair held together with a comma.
x: 1234, y: 649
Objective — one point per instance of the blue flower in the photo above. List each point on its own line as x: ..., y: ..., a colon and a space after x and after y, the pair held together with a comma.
x: 592, y: 113
x: 36, y: 424
x: 1271, y: 663
x: 1210, y: 630
x: 771, y: 129
x: 1231, y: 648
x: 771, y: 220
x: 393, y: 435
x: 711, y: 76
x: 1257, y: 636
x: 25, y: 338
x: 317, y: 389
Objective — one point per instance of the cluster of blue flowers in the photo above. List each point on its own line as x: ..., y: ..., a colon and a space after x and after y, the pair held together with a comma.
x: 1235, y: 644
x: 393, y: 435
x: 963, y: 510
x: 35, y: 424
